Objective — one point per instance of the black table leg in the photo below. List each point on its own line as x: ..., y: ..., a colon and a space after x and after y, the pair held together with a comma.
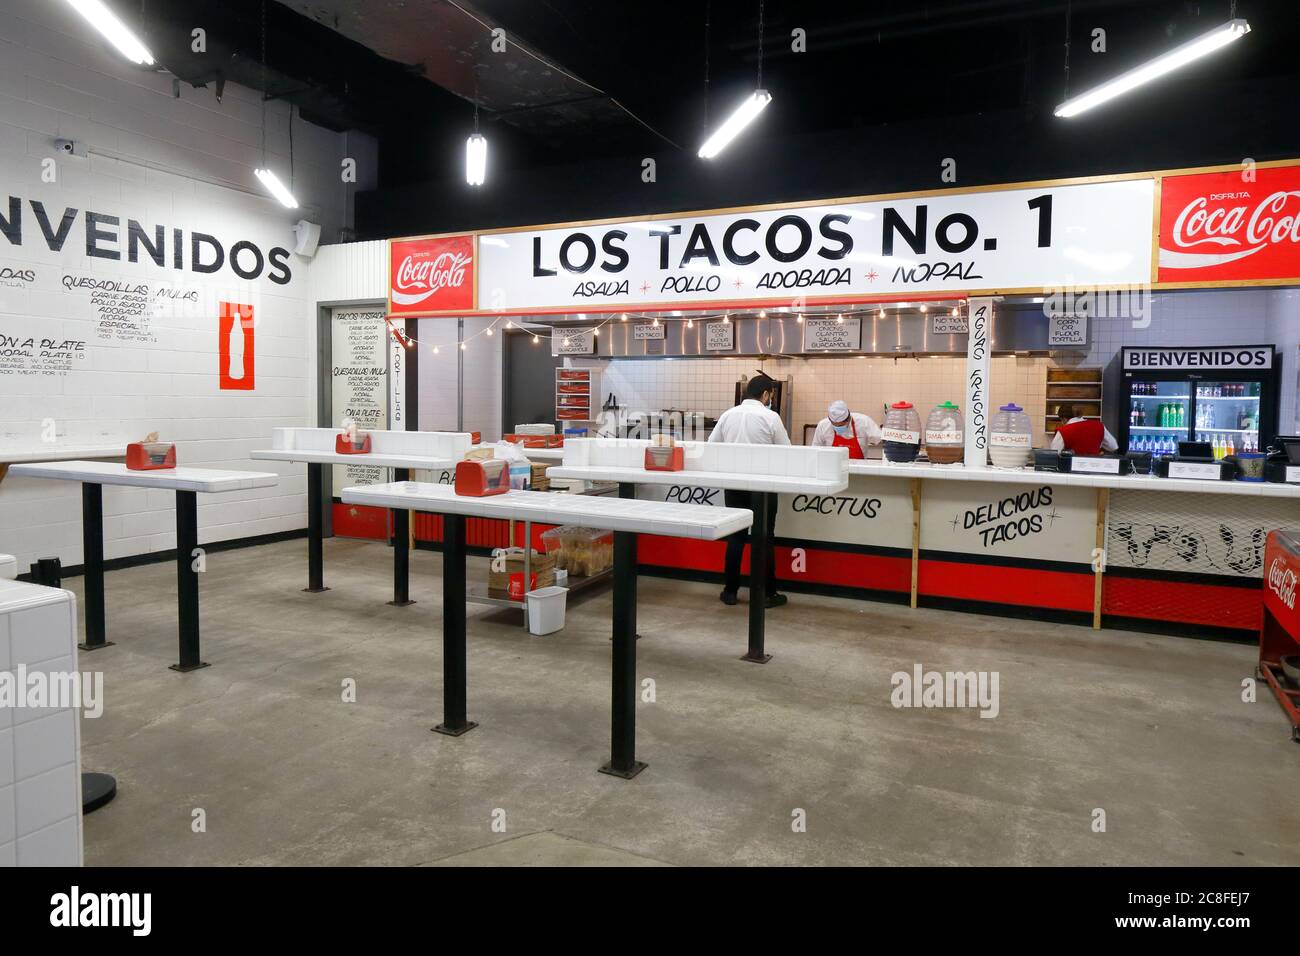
x: 187, y: 580
x: 760, y: 553
x: 92, y: 549
x: 401, y: 549
x: 315, y: 530
x: 453, y: 628
x: 622, y: 747
x: 627, y: 489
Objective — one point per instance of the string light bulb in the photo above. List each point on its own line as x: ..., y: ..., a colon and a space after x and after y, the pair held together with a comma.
x: 839, y: 319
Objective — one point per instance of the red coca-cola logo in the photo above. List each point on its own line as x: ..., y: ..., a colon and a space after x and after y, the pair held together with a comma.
x: 1282, y: 582
x: 431, y: 275
x: 1223, y: 226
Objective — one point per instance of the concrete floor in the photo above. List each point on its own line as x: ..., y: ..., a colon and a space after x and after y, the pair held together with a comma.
x: 1151, y: 729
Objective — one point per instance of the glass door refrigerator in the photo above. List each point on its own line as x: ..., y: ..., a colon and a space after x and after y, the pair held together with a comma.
x: 1224, y: 396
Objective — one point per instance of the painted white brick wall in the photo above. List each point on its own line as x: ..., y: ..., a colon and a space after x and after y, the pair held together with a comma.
x: 58, y: 80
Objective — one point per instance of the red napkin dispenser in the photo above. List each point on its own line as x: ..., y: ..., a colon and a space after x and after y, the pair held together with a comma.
x: 665, y: 458
x: 480, y: 478
x: 343, y: 446
x: 150, y: 456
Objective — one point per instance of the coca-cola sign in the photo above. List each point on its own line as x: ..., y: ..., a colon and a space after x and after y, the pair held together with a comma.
x: 1230, y: 226
x: 1281, y: 581
x: 431, y: 276
x: 1281, y: 575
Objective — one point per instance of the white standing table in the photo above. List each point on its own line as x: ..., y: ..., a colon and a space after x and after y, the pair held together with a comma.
x: 187, y: 483
x: 626, y: 518
x: 402, y: 466
x: 760, y: 551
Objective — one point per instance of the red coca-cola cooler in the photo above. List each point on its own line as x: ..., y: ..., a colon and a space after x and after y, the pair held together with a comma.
x: 1279, y: 635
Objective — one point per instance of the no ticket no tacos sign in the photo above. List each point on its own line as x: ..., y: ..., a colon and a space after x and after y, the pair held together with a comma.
x: 1211, y: 227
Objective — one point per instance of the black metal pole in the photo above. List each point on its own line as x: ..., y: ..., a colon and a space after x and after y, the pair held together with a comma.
x: 315, y: 530
x: 92, y: 549
x: 760, y: 553
x: 187, y: 580
x: 401, y: 549
x: 454, y: 722
x: 622, y: 746
x: 627, y: 489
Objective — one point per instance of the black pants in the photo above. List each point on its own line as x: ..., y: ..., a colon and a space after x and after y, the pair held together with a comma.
x: 736, y: 542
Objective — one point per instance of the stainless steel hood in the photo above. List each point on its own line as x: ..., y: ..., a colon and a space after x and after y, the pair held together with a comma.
x: 1016, y: 328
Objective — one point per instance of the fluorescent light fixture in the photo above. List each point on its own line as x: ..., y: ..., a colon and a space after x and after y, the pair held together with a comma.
x: 1179, y: 56
x: 276, y: 188
x: 114, y: 30
x: 476, y: 159
x: 745, y: 114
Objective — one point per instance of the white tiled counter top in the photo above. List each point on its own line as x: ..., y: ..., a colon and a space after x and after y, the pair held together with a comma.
x: 12, y: 453
x: 703, y: 522
x: 779, y: 469
x: 205, y: 480
x: 930, y: 472
x: 736, y: 481
x: 374, y: 460
x: 422, y: 451
x: 40, y: 747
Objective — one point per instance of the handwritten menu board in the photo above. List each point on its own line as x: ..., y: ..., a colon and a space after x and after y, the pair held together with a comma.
x: 719, y: 337
x: 832, y: 335
x: 359, y: 383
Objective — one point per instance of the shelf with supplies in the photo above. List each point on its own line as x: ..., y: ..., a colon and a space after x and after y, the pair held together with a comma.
x: 577, y: 395
x: 1078, y: 387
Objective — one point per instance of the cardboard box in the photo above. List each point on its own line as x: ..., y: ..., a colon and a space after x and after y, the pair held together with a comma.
x: 511, y: 580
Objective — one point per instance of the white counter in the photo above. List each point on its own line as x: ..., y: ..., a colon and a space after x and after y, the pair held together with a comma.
x: 25, y: 451
x: 587, y: 511
x: 206, y: 480
x: 776, y: 484
x: 1028, y: 476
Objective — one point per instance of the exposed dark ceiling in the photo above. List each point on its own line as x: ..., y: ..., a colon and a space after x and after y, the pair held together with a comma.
x: 614, y: 80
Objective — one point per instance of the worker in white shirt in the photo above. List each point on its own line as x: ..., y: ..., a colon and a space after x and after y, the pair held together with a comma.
x: 752, y: 422
x: 839, y: 429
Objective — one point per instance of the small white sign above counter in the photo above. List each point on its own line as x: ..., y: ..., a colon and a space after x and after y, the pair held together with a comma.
x: 573, y: 341
x: 945, y: 323
x: 1064, y: 331
x: 832, y: 335
x: 719, y: 337
x: 647, y: 330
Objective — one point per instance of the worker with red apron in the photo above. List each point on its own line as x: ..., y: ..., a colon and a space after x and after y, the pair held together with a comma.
x: 842, y: 429
x: 1083, y: 436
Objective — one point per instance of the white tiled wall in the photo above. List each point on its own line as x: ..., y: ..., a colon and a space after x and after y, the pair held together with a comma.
x: 40, y: 789
x: 868, y: 384
x: 58, y: 79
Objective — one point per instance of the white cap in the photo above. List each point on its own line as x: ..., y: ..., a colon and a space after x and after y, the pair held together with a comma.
x: 838, y: 411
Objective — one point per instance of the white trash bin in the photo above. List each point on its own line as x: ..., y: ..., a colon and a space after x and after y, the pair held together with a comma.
x: 546, y: 610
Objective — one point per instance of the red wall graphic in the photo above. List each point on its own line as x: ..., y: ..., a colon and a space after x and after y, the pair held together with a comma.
x: 235, y: 346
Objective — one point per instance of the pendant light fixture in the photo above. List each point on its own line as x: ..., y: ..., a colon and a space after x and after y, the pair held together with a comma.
x: 268, y: 178
x: 476, y: 151
x: 744, y: 114
x: 1178, y: 57
x: 114, y: 30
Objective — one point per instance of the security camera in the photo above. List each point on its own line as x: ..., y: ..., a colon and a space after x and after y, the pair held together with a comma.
x: 65, y: 146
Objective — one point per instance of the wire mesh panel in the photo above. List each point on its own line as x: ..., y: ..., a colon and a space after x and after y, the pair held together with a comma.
x: 1193, y: 558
